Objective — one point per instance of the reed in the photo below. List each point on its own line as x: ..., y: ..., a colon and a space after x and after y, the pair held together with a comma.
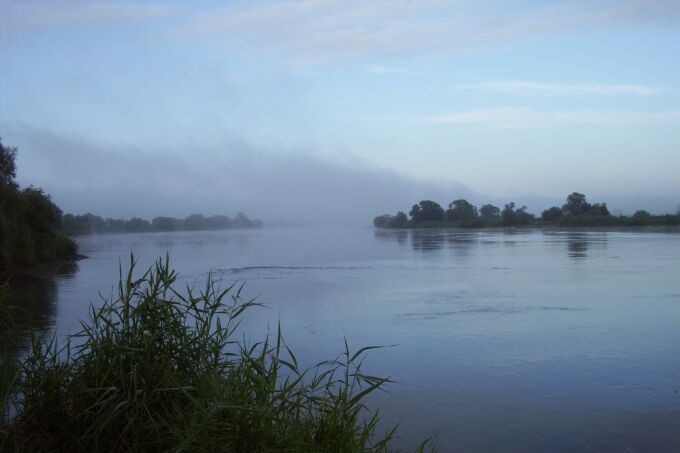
x: 159, y: 368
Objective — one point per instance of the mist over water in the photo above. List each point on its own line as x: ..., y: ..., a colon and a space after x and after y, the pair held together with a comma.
x: 501, y: 339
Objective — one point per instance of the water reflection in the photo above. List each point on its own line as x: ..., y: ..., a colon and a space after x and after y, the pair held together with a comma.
x: 580, y: 243
x: 400, y: 236
x: 33, y: 308
x: 427, y: 241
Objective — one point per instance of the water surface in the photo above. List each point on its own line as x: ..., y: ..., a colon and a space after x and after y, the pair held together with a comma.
x: 505, y: 340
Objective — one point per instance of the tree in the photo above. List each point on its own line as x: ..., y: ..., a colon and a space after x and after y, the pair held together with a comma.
x: 382, y: 221
x: 512, y: 216
x: 489, y: 212
x: 163, y: 224
x: 576, y: 204
x: 461, y: 211
x: 508, y: 214
x: 522, y: 217
x: 551, y: 214
x: 426, y: 211
x: 641, y: 214
x: 599, y: 209
x: 399, y: 221
x: 137, y: 225
x: 387, y: 221
x: 8, y: 168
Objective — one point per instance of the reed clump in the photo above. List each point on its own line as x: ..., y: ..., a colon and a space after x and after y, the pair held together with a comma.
x: 157, y: 369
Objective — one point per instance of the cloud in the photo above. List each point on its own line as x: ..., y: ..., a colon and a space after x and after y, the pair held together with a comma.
x: 128, y: 181
x: 322, y: 30
x: 520, y: 117
x: 335, y: 30
x: 559, y: 89
x: 382, y: 69
x: 22, y: 15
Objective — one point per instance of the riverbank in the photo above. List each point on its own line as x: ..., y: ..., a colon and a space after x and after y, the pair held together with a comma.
x: 43, y: 269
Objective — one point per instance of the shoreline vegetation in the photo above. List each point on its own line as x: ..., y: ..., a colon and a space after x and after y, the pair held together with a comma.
x: 159, y: 368
x: 30, y: 222
x: 576, y: 212
x: 78, y: 225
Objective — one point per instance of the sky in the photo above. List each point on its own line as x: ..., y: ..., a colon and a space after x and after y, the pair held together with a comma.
x: 333, y: 111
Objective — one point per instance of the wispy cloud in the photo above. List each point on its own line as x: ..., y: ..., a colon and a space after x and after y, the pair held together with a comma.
x: 333, y: 29
x: 559, y: 89
x: 383, y: 69
x: 23, y: 15
x: 520, y: 118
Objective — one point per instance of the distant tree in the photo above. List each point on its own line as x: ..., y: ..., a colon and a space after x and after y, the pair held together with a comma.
x: 387, y: 221
x: 115, y: 225
x: 508, y: 214
x: 599, y: 209
x: 489, y: 212
x: 551, y: 214
x: 427, y: 211
x: 515, y: 216
x: 163, y: 224
x: 194, y: 222
x: 399, y: 221
x: 522, y: 217
x: 218, y: 222
x: 461, y: 211
x: 242, y: 221
x: 641, y: 214
x: 576, y: 205
x: 137, y: 225
x: 382, y: 221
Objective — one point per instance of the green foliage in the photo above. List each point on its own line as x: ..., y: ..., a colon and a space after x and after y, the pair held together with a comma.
x: 29, y: 221
x: 489, y: 212
x: 512, y: 216
x: 551, y: 214
x: 576, y: 204
x: 461, y: 212
x: 155, y: 369
x: 9, y: 371
x: 387, y: 221
x: 426, y: 211
x: 576, y: 212
x: 90, y: 223
x: 8, y: 168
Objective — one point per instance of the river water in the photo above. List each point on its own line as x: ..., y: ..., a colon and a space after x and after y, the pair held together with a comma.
x: 501, y: 340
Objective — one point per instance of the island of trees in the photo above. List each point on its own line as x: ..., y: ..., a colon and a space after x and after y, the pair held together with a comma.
x: 576, y: 212
x: 93, y: 224
x: 30, y: 223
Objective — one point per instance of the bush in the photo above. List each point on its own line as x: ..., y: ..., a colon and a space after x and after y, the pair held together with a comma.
x: 29, y: 221
x: 156, y: 370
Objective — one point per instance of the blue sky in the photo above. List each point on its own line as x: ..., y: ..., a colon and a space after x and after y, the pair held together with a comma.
x: 505, y: 98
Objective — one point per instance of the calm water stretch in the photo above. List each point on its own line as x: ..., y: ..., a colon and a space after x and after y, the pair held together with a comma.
x: 503, y: 340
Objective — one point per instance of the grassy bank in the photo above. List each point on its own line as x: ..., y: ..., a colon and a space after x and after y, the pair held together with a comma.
x: 159, y: 368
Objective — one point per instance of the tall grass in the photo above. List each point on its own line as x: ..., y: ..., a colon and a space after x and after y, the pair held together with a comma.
x: 157, y: 368
x: 9, y: 372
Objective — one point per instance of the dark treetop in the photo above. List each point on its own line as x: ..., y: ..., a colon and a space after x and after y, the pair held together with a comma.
x: 462, y: 214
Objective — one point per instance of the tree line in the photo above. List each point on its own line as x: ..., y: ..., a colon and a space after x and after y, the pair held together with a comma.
x: 576, y: 211
x: 30, y: 223
x: 93, y: 224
